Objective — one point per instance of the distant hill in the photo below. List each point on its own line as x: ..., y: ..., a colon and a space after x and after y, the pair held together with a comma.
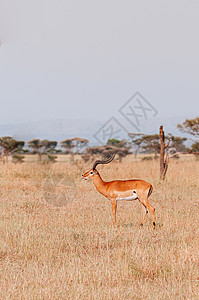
x: 51, y: 129
x: 63, y: 128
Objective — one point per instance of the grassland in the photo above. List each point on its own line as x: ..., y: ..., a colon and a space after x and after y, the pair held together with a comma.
x: 57, y: 239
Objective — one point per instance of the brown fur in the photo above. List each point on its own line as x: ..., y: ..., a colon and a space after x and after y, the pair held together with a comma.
x: 121, y: 189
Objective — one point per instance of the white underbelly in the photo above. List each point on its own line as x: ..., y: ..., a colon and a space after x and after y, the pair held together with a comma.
x: 134, y: 196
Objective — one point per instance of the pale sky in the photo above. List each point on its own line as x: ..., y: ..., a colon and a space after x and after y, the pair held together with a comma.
x: 83, y: 59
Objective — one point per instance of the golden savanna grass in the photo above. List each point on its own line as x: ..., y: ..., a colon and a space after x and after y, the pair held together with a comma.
x: 57, y: 240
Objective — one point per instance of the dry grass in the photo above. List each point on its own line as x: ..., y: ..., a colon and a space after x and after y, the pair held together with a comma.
x: 71, y: 251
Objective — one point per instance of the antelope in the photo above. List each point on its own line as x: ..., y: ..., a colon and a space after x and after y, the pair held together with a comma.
x: 133, y: 189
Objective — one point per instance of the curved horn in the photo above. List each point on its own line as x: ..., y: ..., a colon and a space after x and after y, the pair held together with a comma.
x: 97, y: 162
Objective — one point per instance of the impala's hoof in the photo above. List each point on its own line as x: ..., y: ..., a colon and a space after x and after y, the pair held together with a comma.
x: 141, y: 225
x: 154, y: 224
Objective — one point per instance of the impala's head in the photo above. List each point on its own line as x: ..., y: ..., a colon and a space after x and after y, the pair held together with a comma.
x: 93, y: 172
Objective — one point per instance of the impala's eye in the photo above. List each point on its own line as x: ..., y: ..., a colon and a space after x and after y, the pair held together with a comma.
x: 91, y: 172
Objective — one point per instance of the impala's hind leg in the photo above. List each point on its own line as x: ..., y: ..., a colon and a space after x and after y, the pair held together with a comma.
x: 144, y: 200
x: 145, y: 211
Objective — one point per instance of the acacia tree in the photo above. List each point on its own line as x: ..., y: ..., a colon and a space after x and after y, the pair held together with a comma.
x: 195, y: 147
x: 9, y: 146
x: 136, y: 140
x: 177, y: 143
x: 116, y: 142
x: 112, y: 147
x: 36, y: 145
x: 190, y: 126
x: 156, y: 144
x: 80, y: 144
x: 151, y: 143
x: 74, y: 146
x: 42, y: 147
x: 48, y: 146
x: 68, y: 145
x: 148, y: 142
x: 119, y: 147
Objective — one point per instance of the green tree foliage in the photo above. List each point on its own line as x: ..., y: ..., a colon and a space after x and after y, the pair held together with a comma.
x: 9, y: 146
x: 68, y: 145
x: 146, y: 143
x: 190, y: 126
x: 177, y: 143
x: 80, y: 144
x: 74, y: 146
x: 195, y: 147
x: 35, y: 145
x: 118, y: 147
x: 113, y: 142
x: 151, y: 143
x: 136, y: 141
x: 42, y: 147
x: 48, y: 146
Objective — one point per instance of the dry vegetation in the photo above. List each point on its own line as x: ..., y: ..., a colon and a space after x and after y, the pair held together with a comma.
x: 66, y: 247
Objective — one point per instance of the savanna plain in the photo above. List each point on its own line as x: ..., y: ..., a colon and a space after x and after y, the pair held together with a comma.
x: 57, y: 240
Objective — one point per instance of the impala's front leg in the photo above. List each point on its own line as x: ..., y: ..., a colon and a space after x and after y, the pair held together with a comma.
x: 114, y: 208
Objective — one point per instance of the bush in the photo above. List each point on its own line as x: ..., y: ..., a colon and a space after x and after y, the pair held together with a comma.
x: 17, y: 158
x: 147, y: 158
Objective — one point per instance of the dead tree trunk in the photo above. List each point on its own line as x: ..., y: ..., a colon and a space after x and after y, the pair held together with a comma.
x: 164, y: 161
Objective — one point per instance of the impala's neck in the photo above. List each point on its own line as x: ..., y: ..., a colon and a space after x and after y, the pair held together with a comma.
x: 100, y: 184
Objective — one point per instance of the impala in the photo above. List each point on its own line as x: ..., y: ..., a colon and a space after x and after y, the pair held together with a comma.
x: 133, y: 189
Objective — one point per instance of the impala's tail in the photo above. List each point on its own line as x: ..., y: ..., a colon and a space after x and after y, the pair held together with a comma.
x: 150, y: 191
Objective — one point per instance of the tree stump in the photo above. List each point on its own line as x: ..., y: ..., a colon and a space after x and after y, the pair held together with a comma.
x: 164, y: 161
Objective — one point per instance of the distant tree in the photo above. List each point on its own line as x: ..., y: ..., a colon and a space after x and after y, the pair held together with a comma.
x: 195, y: 147
x: 68, y: 145
x: 74, y: 145
x: 9, y: 145
x: 48, y: 146
x: 122, y: 149
x: 113, y: 142
x: 118, y: 143
x: 80, y: 144
x: 190, y: 126
x: 148, y: 143
x: 119, y: 147
x: 136, y: 141
x: 42, y: 147
x: 122, y: 152
x: 177, y: 143
x: 36, y: 146
x: 151, y: 143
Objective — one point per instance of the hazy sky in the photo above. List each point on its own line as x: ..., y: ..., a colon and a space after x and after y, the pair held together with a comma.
x: 83, y: 59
